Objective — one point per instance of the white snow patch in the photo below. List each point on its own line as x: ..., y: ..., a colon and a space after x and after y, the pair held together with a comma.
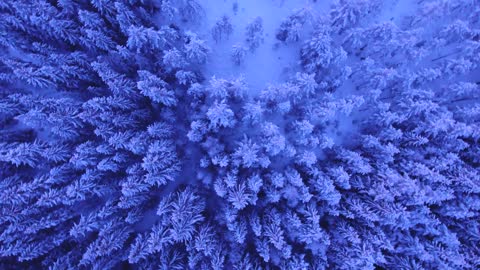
x: 271, y: 62
x: 397, y: 11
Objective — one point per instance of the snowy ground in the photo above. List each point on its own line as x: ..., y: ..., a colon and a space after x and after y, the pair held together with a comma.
x: 274, y: 62
x: 397, y: 10
x: 271, y: 62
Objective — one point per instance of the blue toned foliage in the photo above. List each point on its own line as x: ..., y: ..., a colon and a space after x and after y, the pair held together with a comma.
x: 254, y: 35
x: 125, y: 143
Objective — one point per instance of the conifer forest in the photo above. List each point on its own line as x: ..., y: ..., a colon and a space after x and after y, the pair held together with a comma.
x: 239, y: 134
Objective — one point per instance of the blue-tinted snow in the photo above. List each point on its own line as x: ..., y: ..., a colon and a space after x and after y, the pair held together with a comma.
x: 272, y: 62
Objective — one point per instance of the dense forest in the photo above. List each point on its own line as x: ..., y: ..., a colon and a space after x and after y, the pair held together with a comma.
x: 120, y: 150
